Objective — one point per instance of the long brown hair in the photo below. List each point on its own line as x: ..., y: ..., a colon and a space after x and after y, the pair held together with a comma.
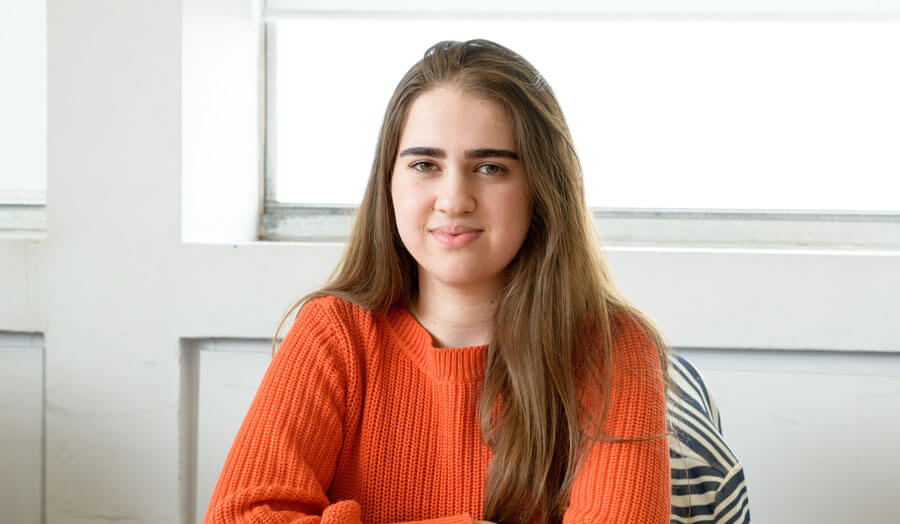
x: 559, y: 311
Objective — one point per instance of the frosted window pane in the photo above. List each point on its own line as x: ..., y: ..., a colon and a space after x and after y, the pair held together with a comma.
x: 710, y: 114
x: 23, y: 101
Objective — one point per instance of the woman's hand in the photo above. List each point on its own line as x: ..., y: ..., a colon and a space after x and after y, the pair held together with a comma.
x: 484, y: 522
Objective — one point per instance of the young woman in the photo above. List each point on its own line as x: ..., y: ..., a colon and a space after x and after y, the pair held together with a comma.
x: 470, y: 357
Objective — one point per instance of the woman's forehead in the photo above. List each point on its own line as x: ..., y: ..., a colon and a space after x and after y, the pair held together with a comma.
x: 449, y: 117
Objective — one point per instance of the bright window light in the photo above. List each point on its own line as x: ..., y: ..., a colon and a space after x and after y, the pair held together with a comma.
x: 701, y: 114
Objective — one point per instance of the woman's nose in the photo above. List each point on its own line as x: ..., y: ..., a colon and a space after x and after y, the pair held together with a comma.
x: 455, y: 196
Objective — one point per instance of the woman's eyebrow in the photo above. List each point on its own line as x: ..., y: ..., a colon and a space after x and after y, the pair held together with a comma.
x: 469, y: 154
x: 424, y: 151
x: 487, y: 153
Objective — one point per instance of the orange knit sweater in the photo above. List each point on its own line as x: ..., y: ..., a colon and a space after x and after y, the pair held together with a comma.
x: 359, y: 418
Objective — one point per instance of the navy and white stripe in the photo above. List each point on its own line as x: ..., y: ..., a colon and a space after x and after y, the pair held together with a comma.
x: 707, y: 479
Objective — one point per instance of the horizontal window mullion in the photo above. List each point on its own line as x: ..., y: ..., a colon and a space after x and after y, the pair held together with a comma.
x: 640, y: 8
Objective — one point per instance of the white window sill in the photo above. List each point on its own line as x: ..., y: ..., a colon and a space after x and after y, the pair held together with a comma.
x: 678, y: 229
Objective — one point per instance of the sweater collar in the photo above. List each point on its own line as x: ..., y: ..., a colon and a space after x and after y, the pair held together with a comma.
x: 464, y: 364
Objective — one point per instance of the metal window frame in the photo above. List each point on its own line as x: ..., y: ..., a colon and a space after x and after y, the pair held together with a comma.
x: 24, y: 218
x: 582, y: 8
x: 647, y: 227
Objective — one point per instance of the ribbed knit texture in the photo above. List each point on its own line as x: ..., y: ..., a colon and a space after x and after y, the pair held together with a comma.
x: 359, y: 418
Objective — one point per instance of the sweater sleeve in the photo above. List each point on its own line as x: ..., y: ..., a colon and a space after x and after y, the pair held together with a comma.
x: 628, y: 482
x: 284, y: 456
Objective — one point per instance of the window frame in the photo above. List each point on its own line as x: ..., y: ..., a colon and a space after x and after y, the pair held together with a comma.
x: 755, y: 228
x: 23, y: 215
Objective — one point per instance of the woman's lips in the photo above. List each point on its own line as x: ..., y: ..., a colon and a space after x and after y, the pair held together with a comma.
x: 456, y: 240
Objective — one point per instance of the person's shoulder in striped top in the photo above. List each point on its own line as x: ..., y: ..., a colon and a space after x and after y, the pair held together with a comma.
x: 708, y: 483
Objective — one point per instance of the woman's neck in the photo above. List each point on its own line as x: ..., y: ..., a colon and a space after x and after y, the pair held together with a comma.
x: 455, y: 317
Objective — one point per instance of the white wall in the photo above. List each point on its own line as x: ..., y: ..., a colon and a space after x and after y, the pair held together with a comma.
x: 221, y: 132
x: 116, y: 291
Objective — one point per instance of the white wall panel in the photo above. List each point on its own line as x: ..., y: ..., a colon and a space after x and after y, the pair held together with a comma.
x: 803, y: 424
x: 21, y: 427
x: 228, y: 374
x: 813, y: 431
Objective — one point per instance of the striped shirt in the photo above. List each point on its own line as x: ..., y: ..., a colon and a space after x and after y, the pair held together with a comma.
x: 707, y: 479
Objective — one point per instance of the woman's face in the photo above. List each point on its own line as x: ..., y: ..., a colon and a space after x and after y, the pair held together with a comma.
x: 460, y: 190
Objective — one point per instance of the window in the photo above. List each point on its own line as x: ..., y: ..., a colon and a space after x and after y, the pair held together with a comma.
x: 772, y: 131
x: 23, y: 126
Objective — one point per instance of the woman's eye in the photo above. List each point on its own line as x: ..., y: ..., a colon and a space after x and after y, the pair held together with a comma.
x: 423, y: 166
x: 491, y: 169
